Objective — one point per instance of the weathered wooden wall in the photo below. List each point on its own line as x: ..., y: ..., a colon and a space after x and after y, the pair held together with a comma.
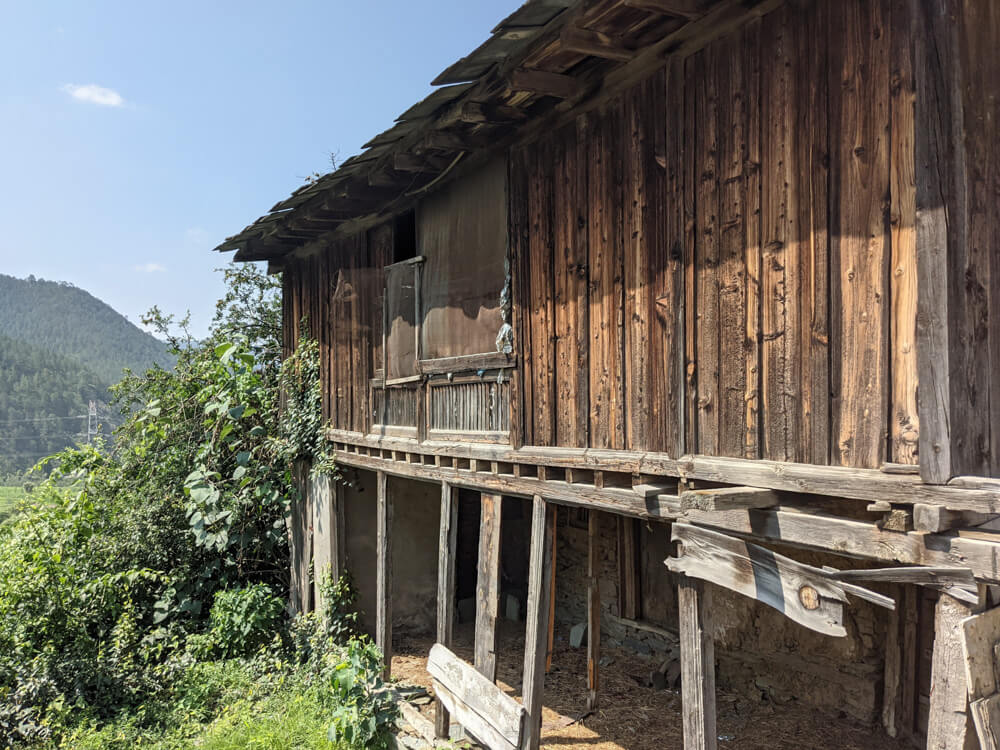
x: 332, y: 293
x: 721, y: 259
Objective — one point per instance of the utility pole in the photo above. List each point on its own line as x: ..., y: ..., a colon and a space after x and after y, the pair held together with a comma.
x: 91, y: 421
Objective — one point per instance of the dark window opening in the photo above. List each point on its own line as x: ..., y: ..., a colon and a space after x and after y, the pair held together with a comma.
x: 404, y: 246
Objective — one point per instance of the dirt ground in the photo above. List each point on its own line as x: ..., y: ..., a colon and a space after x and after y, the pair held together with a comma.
x: 631, y: 716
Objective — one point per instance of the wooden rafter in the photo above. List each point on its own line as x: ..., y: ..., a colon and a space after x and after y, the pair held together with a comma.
x: 594, y: 43
x: 544, y: 83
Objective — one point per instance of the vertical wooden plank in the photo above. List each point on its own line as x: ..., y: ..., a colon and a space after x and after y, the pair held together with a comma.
x: 604, y: 246
x: 751, y: 54
x: 447, y: 542
x: 628, y: 573
x: 517, y: 248
x: 860, y: 152
x: 640, y: 270
x: 904, y: 422
x: 779, y: 273
x: 541, y: 292
x: 689, y: 428
x: 551, y: 638
x: 667, y: 352
x: 698, y: 717
x: 893, y: 669
x: 593, y: 608
x: 383, y: 572
x: 979, y: 271
x: 570, y: 278
x: 488, y: 585
x: 733, y: 93
x: 540, y: 567
x: 811, y: 170
x: 707, y: 249
x: 949, y: 726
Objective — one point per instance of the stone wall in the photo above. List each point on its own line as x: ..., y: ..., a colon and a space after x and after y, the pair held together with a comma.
x: 760, y: 652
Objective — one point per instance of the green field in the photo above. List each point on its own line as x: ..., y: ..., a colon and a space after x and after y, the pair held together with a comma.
x: 9, y: 498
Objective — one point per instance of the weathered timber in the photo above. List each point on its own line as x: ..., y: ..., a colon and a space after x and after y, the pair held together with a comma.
x: 986, y: 717
x: 537, y: 627
x: 980, y: 552
x: 488, y: 585
x: 544, y: 83
x: 301, y: 542
x: 594, y: 43
x: 325, y: 531
x: 935, y: 518
x: 981, y: 648
x: 447, y: 542
x: 801, y: 592
x: 835, y: 481
x: 689, y: 9
x: 628, y: 568
x: 491, y: 715
x: 383, y: 571
x: 729, y: 498
x: 948, y: 723
x: 593, y: 608
x: 892, y: 676
x: 698, y: 717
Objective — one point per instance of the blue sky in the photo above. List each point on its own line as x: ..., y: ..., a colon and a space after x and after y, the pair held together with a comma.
x: 135, y: 136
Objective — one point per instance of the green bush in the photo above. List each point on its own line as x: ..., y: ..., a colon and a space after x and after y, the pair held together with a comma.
x: 243, y: 619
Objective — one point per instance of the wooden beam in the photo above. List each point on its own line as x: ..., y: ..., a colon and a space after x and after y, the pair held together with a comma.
x: 447, y: 542
x: 544, y: 83
x: 728, y: 498
x: 535, y: 641
x: 300, y: 541
x: 948, y: 721
x: 594, y: 43
x: 403, y: 162
x: 689, y: 9
x: 383, y: 572
x: 935, y: 518
x: 628, y: 574
x: 698, y: 717
x: 550, y: 640
x: 324, y: 530
x: 593, y: 608
x: 893, y: 669
x: 488, y: 585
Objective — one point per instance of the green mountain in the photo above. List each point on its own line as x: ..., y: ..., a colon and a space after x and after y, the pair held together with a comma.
x: 60, y: 318
x: 44, y: 400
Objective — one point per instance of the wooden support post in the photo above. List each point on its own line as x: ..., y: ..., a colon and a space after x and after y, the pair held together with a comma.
x: 340, y: 519
x: 593, y: 609
x: 893, y: 673
x: 697, y: 666
x: 535, y: 639
x: 488, y: 586
x: 300, y: 543
x: 447, y: 541
x: 383, y: 574
x: 948, y: 725
x: 324, y: 533
x: 550, y: 640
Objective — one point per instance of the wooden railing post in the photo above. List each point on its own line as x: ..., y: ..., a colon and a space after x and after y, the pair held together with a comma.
x: 447, y: 541
x: 593, y: 609
x: 536, y: 632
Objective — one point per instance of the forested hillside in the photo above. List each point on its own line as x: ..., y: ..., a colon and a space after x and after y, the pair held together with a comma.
x: 44, y: 398
x: 60, y: 318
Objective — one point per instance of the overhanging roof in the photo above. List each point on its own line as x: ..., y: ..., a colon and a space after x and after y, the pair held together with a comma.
x: 548, y: 55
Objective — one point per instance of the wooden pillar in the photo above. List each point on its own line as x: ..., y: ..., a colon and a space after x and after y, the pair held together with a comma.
x: 593, y: 608
x: 550, y: 640
x: 697, y: 666
x: 383, y: 614
x: 948, y: 725
x: 324, y: 533
x: 300, y: 542
x: 536, y: 631
x: 893, y: 673
x: 447, y: 541
x: 488, y: 586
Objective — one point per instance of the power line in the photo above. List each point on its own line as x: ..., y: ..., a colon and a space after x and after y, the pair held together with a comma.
x: 42, y: 419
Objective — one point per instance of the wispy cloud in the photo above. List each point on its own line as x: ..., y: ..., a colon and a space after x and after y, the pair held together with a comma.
x: 150, y: 268
x: 95, y: 94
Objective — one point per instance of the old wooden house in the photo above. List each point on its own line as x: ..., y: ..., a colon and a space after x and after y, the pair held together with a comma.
x: 676, y: 319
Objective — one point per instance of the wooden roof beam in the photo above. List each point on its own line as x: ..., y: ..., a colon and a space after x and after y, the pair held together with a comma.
x: 595, y: 44
x: 544, y: 83
x: 689, y: 9
x: 428, y: 164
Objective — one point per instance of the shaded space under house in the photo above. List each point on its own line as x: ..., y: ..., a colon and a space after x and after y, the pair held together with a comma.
x: 658, y: 349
